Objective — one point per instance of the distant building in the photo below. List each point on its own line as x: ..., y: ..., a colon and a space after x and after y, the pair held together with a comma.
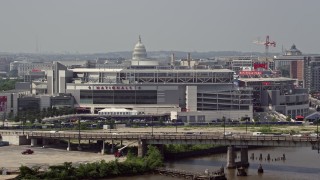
x: 312, y: 73
x: 5, y: 64
x: 25, y: 67
x: 278, y: 94
x: 304, y: 68
x: 9, y: 100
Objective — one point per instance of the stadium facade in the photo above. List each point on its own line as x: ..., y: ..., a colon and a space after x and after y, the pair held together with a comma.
x: 194, y: 95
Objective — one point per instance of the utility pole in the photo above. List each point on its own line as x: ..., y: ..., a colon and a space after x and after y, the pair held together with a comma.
x: 23, y: 120
x: 79, y: 133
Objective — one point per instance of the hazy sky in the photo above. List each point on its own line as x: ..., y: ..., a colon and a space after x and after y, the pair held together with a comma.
x: 90, y: 26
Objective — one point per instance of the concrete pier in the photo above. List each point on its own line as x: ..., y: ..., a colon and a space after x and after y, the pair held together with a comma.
x: 103, y: 150
x: 142, y: 148
x: 34, y: 142
x: 112, y: 147
x: 69, y: 145
x: 231, y: 158
x: 244, y: 156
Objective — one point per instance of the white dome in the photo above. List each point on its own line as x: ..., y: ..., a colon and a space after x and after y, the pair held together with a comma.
x: 139, y: 51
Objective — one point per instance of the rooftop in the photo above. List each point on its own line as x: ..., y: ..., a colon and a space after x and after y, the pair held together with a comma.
x: 265, y: 79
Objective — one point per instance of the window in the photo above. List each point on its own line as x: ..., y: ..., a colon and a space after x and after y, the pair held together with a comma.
x: 201, y: 118
x: 192, y: 119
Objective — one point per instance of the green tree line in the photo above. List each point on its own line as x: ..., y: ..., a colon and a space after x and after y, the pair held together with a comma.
x: 33, y: 114
x: 133, y: 165
x: 177, y: 148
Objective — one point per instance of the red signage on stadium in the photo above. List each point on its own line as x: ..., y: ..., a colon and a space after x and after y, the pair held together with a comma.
x: 266, y: 83
x: 260, y: 65
x: 250, y: 73
x: 112, y: 87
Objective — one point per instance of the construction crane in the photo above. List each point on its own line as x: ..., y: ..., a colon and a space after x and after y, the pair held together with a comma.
x: 267, y: 43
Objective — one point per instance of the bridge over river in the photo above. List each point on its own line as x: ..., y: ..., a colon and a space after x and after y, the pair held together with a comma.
x: 159, y: 139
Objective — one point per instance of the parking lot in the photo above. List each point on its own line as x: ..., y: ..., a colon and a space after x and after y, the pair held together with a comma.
x: 12, y: 158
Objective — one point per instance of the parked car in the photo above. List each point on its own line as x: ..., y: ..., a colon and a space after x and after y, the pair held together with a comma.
x: 27, y: 151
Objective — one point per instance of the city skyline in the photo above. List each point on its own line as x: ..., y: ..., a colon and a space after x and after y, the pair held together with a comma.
x: 110, y: 26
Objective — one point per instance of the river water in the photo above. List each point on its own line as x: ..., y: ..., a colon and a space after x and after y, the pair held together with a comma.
x: 301, y: 163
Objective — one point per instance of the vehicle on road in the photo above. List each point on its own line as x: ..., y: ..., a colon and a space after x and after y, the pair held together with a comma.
x: 27, y: 151
x: 118, y: 154
x: 297, y: 135
x: 256, y: 133
x: 228, y: 133
x: 313, y: 135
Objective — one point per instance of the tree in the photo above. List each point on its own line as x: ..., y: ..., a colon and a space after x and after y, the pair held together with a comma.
x: 153, y: 158
x: 28, y: 173
x: 8, y: 84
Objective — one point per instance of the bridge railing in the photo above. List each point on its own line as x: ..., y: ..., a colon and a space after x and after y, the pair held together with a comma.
x: 221, y: 137
x: 89, y: 135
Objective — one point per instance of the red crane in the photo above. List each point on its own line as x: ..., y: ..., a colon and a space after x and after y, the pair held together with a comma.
x: 267, y: 43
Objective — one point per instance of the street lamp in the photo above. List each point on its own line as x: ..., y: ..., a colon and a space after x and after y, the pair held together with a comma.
x: 23, y: 121
x: 318, y: 134
x: 60, y: 124
x: 22, y: 124
x: 176, y: 125
x: 151, y: 125
x: 22, y: 118
x: 224, y: 126
x: 246, y: 118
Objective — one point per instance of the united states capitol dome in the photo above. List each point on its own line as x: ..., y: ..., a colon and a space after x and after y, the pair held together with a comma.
x: 139, y: 51
x: 293, y: 51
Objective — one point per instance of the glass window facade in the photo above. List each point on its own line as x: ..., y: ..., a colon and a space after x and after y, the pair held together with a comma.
x: 29, y: 104
x: 118, y: 97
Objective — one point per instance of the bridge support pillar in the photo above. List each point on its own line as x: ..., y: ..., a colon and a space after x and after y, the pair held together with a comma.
x: 103, y: 147
x: 244, y: 156
x: 142, y: 148
x: 112, y: 147
x: 34, y: 142
x: 231, y: 158
x: 69, y: 145
x: 44, y: 142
